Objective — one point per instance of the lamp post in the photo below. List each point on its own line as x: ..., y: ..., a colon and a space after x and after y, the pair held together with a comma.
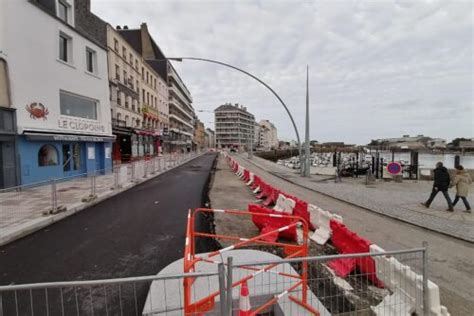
x: 302, y: 159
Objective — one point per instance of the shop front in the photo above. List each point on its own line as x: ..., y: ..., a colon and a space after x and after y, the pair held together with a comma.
x: 54, y: 156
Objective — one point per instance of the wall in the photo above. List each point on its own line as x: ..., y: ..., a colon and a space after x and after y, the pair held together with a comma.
x: 36, y: 39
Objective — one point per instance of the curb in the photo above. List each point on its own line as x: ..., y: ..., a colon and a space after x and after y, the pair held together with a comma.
x: 19, y: 231
x: 463, y: 238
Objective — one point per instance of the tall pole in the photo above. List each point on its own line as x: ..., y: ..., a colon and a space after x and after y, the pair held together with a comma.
x: 307, y: 145
x: 300, y: 149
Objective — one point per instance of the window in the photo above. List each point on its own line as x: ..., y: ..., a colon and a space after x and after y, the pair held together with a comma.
x: 127, y: 120
x: 119, y: 99
x: 64, y: 47
x: 47, y: 156
x: 143, y: 95
x: 63, y: 11
x: 116, y: 45
x: 136, y: 63
x: 78, y: 106
x: 117, y: 72
x: 131, y: 59
x: 138, y: 89
x: 124, y: 53
x: 124, y: 77
x: 91, y: 60
x: 143, y: 73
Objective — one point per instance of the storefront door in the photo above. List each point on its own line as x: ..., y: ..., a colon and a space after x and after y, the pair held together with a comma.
x: 99, y: 156
x: 73, y: 163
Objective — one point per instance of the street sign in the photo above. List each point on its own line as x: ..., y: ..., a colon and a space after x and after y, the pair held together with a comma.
x: 394, y: 168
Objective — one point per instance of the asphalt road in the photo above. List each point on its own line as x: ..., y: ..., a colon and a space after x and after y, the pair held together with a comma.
x: 135, y: 233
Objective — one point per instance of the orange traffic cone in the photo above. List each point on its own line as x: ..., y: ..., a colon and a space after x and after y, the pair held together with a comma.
x: 244, y: 303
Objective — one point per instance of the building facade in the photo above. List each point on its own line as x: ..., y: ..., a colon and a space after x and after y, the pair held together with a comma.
x: 139, y: 97
x: 268, y: 138
x: 165, y: 87
x: 235, y: 126
x: 210, y: 138
x: 181, y: 112
x: 199, y: 134
x: 62, y: 107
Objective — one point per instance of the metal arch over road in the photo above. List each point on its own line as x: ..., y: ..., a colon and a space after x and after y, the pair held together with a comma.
x: 261, y: 82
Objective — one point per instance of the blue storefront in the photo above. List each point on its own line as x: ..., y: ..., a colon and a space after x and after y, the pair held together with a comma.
x: 54, y: 156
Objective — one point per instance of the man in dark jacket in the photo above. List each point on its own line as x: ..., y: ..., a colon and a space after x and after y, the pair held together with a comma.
x: 441, y: 184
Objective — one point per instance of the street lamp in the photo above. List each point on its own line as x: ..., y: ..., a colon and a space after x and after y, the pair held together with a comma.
x: 302, y: 161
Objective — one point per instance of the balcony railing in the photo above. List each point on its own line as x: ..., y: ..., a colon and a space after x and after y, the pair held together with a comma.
x: 118, y: 123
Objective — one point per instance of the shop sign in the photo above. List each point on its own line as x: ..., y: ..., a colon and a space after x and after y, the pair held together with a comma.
x: 74, y: 124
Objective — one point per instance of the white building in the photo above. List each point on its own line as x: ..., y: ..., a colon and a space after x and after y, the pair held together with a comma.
x: 268, y: 138
x: 234, y: 126
x: 59, y: 87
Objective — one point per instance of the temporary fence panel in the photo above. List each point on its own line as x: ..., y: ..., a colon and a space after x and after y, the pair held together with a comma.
x: 328, y: 294
x: 146, y: 295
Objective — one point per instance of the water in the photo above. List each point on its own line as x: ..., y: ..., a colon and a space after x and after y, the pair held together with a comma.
x: 426, y: 160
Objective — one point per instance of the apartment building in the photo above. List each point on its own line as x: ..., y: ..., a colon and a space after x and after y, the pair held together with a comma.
x: 181, y: 112
x: 234, y: 126
x: 174, y: 101
x: 268, y: 138
x: 62, y: 107
x: 199, y: 134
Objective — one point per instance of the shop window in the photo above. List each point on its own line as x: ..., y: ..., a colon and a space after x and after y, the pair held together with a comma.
x: 47, y: 156
x: 77, y: 106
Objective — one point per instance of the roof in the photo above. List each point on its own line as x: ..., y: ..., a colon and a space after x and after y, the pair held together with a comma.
x: 133, y: 37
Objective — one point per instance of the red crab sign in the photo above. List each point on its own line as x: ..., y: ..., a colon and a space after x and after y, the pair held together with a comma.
x: 37, y: 110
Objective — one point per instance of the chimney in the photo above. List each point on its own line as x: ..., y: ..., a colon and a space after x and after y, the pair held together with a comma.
x: 118, y: 27
x: 125, y: 27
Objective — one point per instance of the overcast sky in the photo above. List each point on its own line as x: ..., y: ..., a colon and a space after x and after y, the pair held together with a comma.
x: 377, y: 68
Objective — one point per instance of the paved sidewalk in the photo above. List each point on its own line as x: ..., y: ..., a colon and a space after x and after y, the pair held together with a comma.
x: 25, y: 211
x: 397, y: 200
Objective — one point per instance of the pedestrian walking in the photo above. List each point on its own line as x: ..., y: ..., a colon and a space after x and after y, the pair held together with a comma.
x: 441, y: 184
x: 461, y: 181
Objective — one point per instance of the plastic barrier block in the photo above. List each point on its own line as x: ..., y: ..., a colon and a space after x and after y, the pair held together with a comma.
x: 301, y: 210
x: 251, y: 177
x: 246, y: 176
x: 284, y: 204
x: 271, y: 199
x: 347, y: 241
x: 263, y: 190
x: 272, y: 223
x: 323, y: 230
x: 256, y: 182
x: 342, y: 267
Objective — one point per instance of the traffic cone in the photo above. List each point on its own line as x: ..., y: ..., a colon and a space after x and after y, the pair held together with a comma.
x: 244, y: 302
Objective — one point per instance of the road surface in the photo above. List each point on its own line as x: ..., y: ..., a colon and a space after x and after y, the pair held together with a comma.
x: 135, y: 233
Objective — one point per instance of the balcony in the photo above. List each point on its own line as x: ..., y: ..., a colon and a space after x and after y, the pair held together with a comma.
x: 118, y: 123
x: 174, y: 102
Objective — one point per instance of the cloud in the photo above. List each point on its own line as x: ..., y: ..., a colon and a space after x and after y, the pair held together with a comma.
x: 377, y: 68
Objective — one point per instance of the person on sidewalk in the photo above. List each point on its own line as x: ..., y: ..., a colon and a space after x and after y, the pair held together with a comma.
x: 441, y: 184
x: 461, y: 181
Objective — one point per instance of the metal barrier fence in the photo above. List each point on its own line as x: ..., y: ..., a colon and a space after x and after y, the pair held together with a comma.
x: 383, y: 291
x: 26, y: 202
x: 387, y: 291
x: 124, y: 296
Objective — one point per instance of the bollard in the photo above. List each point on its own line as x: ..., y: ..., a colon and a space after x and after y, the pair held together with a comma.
x: 54, y: 195
x: 222, y: 293
x: 229, y: 285
x: 425, y: 279
x: 133, y: 171
x: 116, y: 177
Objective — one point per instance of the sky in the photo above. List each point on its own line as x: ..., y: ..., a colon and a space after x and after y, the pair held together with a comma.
x: 377, y: 69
